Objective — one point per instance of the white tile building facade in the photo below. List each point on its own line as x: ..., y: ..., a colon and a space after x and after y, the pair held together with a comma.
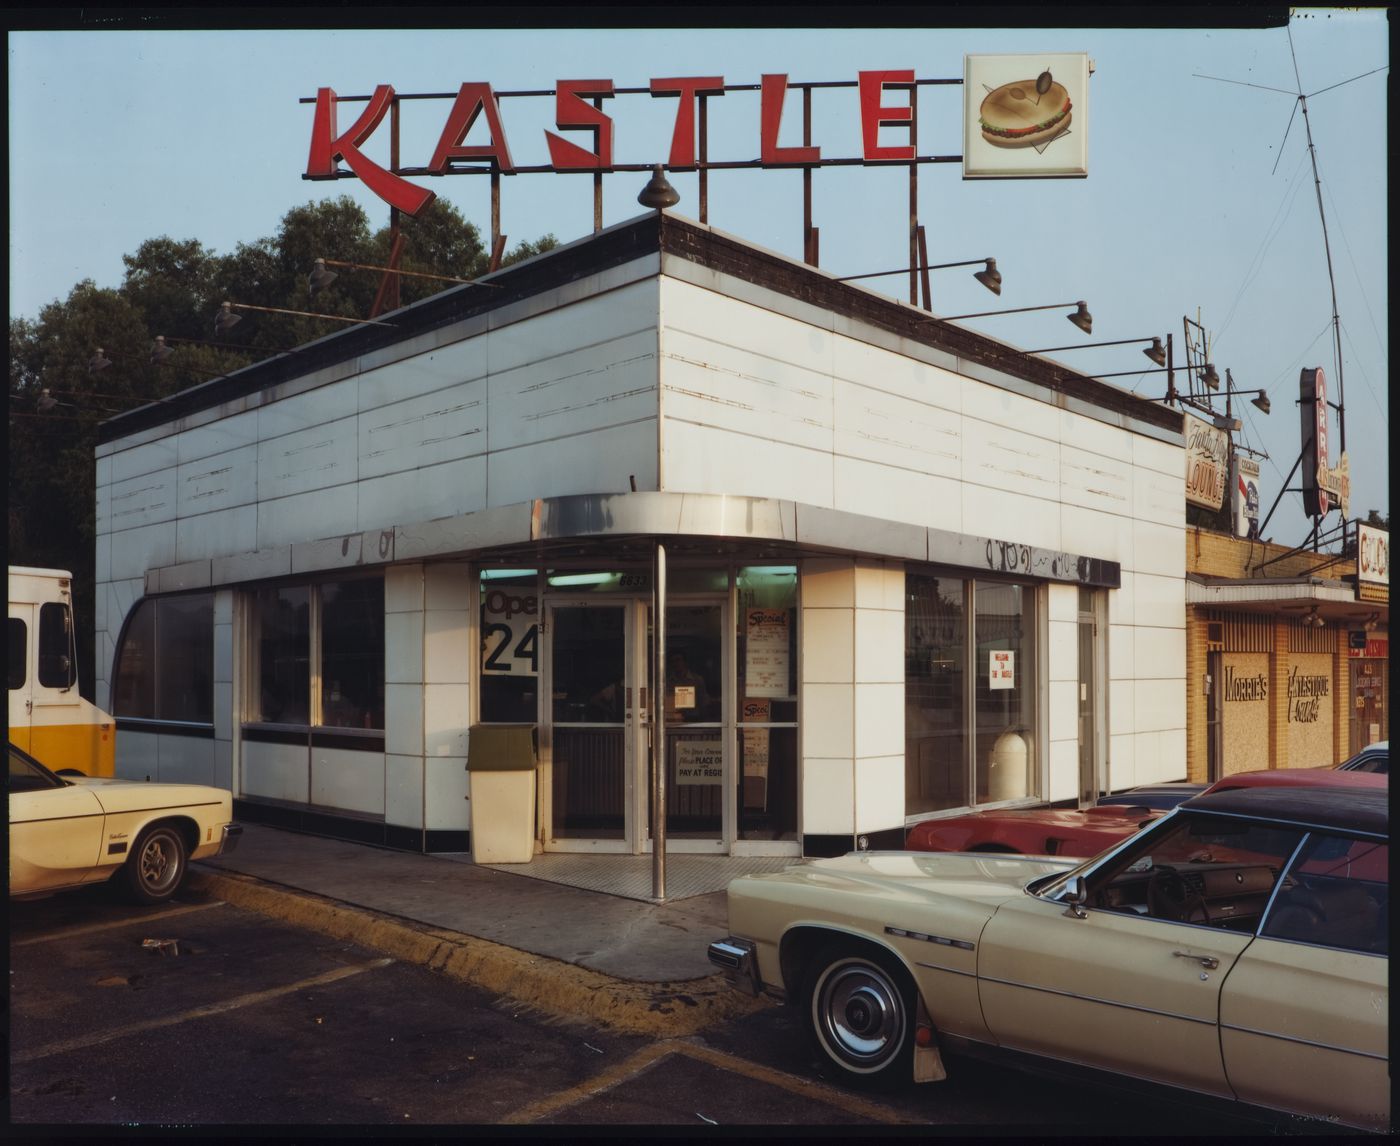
x: 659, y: 382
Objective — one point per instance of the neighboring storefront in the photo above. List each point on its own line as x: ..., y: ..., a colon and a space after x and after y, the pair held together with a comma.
x: 906, y: 569
x: 1287, y: 654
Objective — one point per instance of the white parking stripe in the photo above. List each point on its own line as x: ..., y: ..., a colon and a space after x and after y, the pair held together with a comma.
x: 84, y: 1041
x: 128, y: 921
x: 648, y: 1056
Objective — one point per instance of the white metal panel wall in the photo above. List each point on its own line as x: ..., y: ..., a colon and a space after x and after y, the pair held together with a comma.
x: 757, y: 403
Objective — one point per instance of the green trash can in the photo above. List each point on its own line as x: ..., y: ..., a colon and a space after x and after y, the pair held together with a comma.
x: 501, y: 764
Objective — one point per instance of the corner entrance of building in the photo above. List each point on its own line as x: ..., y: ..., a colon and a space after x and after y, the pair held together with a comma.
x: 596, y: 726
x: 590, y: 726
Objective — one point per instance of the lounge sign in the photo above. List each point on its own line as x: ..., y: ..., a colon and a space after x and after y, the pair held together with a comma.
x: 584, y: 139
x: 1207, y: 457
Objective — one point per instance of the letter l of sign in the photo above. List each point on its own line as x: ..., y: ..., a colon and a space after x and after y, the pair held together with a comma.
x: 327, y: 147
x: 773, y: 93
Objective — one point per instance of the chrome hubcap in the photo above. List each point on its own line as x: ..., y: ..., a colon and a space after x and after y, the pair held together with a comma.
x: 861, y: 1015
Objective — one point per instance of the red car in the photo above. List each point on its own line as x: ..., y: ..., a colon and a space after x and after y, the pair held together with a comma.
x: 1086, y: 832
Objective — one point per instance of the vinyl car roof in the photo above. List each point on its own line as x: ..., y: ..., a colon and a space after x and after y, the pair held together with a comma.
x: 1348, y: 810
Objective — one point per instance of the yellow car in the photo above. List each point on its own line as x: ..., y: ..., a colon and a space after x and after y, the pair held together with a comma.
x: 69, y: 831
x: 1237, y: 949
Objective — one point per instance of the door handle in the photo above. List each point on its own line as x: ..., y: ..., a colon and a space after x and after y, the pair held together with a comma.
x: 1209, y: 962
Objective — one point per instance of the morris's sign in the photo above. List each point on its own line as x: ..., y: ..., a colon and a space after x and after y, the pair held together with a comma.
x: 585, y: 137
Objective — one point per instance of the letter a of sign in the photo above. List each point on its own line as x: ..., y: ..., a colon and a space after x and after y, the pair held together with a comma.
x: 327, y: 147
x: 774, y: 92
x: 571, y: 112
x: 472, y: 100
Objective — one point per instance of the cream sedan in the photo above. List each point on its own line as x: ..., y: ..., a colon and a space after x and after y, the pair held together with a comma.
x: 68, y: 831
x: 1237, y: 949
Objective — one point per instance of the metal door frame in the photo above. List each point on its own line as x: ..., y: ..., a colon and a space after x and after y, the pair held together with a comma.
x: 633, y: 728
x: 729, y: 813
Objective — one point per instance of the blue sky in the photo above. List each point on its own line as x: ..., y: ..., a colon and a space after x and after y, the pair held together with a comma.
x: 1199, y: 202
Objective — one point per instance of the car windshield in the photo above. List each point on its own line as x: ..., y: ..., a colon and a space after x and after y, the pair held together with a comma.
x: 28, y: 775
x: 1370, y: 761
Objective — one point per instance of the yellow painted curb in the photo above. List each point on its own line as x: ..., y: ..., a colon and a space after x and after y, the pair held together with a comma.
x: 549, y: 985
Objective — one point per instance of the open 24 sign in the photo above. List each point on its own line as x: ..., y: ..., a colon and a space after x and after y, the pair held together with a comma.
x: 510, y: 633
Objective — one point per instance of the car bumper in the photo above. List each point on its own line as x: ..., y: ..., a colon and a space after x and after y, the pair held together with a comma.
x: 738, y: 959
x: 232, y: 834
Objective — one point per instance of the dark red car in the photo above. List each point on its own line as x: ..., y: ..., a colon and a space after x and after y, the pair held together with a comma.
x: 1088, y: 831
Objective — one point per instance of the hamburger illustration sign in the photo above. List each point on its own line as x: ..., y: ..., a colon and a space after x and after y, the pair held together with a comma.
x: 1026, y: 117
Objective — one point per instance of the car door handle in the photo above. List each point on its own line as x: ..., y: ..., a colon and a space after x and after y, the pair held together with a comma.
x: 1209, y: 962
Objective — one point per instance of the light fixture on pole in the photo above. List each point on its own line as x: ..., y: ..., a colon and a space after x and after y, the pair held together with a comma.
x: 658, y: 193
x: 160, y: 351
x: 989, y: 276
x: 320, y: 277
x: 226, y: 319
x: 98, y: 361
x: 1156, y: 352
x: 1081, y: 316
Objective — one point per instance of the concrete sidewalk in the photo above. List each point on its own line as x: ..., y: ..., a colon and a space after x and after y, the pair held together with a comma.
x: 629, y: 963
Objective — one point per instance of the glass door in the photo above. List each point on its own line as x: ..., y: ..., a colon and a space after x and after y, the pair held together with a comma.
x: 696, y: 749
x: 591, y: 723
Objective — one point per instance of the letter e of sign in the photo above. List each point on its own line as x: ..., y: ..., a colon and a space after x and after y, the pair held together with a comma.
x: 873, y: 115
x: 327, y: 147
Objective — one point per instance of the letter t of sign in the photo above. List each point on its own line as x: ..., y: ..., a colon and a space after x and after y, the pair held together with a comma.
x: 683, y: 138
x: 327, y: 147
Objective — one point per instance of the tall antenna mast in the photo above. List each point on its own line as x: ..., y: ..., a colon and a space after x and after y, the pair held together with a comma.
x: 1301, y: 101
x: 1326, y: 246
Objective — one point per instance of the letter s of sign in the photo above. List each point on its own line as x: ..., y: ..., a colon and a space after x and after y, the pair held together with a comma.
x: 570, y: 111
x: 327, y: 147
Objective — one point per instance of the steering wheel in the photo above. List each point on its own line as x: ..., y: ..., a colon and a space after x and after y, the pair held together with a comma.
x: 1168, y: 897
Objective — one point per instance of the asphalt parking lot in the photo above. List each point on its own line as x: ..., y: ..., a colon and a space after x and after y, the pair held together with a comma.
x: 202, y: 1013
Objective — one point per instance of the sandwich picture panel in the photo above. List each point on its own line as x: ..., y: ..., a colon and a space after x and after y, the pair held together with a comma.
x: 1026, y: 116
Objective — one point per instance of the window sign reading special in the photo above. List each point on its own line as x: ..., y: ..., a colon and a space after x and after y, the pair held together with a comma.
x: 1026, y: 116
x: 755, y: 754
x: 767, y: 654
x: 1001, y: 669
x: 699, y: 762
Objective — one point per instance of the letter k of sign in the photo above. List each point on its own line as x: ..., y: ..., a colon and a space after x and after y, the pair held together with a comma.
x: 327, y: 147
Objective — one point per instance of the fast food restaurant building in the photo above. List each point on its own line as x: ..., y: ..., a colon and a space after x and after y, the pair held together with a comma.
x: 908, y: 569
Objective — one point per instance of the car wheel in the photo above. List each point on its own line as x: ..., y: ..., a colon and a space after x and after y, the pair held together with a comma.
x: 156, y: 867
x: 860, y: 1012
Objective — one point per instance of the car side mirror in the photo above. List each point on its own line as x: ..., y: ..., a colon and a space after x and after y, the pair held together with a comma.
x: 1076, y: 894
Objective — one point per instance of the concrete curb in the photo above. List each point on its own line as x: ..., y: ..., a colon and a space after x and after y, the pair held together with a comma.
x: 552, y: 986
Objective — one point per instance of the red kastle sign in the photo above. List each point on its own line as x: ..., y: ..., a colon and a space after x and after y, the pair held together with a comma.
x: 575, y: 112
